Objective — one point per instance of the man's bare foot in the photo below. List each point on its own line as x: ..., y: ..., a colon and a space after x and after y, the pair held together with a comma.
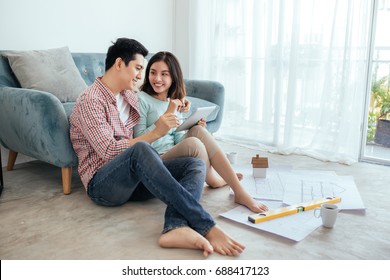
x: 245, y: 199
x: 218, y: 182
x: 187, y: 238
x: 223, y: 243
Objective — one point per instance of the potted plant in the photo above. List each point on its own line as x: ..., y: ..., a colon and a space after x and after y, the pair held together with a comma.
x: 379, y: 115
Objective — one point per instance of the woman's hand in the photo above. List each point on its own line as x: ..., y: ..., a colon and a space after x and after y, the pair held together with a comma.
x: 186, y: 106
x: 174, y: 106
x: 202, y: 122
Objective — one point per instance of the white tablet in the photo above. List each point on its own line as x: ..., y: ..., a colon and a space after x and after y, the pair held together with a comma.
x: 202, y: 112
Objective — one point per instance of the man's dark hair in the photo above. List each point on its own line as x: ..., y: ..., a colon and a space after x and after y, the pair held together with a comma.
x: 126, y: 49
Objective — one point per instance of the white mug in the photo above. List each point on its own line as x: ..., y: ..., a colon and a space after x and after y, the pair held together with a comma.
x: 232, y: 157
x: 328, y: 214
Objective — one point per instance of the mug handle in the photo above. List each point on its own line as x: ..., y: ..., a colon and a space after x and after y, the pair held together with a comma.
x: 315, y: 212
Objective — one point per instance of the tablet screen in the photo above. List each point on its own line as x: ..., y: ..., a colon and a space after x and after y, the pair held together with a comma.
x: 202, y: 112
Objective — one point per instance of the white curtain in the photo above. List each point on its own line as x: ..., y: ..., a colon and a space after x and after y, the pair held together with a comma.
x: 294, y: 71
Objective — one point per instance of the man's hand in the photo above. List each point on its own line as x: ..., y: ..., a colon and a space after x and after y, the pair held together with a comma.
x: 165, y: 123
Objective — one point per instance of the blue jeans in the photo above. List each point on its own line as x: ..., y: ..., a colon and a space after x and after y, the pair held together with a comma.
x: 139, y: 173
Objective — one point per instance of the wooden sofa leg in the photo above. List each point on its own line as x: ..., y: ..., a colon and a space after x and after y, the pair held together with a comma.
x: 66, y: 179
x: 11, y: 159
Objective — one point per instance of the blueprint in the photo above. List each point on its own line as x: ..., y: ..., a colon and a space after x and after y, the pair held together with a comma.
x: 269, y: 188
x: 306, y: 187
x: 296, y: 186
x: 284, y: 186
x: 295, y: 227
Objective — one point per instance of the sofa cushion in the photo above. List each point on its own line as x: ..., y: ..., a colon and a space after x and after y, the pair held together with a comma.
x: 52, y: 70
x: 68, y: 106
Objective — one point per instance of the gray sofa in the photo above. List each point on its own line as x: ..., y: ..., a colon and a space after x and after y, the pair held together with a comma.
x: 35, y: 123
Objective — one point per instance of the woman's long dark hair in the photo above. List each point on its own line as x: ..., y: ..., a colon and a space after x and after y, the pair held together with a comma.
x: 177, y: 89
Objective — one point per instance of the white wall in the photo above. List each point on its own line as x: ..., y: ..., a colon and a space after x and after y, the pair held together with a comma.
x: 181, y: 37
x: 85, y: 25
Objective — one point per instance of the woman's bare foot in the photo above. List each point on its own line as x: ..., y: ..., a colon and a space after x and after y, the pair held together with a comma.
x: 187, y: 238
x: 245, y: 199
x: 217, y: 182
x: 223, y: 243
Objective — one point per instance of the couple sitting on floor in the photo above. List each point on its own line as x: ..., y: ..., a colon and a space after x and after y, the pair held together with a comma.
x: 128, y: 148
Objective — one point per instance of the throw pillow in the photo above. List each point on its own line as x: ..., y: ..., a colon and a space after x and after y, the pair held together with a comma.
x: 52, y: 70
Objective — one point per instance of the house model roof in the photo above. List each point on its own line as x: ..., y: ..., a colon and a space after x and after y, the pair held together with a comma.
x: 259, y: 162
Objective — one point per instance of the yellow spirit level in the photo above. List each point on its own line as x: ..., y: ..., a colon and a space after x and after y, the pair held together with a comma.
x: 289, y: 210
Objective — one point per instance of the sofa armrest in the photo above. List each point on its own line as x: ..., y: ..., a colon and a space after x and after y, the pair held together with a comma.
x: 211, y: 91
x: 34, y: 123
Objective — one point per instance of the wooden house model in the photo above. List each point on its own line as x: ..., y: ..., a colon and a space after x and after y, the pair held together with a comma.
x: 260, y: 165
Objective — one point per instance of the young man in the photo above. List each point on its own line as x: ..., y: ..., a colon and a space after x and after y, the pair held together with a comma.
x: 115, y: 167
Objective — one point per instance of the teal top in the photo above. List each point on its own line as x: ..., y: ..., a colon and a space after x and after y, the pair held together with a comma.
x: 150, y: 110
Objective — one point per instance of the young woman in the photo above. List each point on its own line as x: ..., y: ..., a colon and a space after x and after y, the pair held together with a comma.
x: 162, y: 94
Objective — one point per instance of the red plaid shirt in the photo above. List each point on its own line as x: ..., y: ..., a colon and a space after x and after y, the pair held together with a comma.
x: 96, y: 131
